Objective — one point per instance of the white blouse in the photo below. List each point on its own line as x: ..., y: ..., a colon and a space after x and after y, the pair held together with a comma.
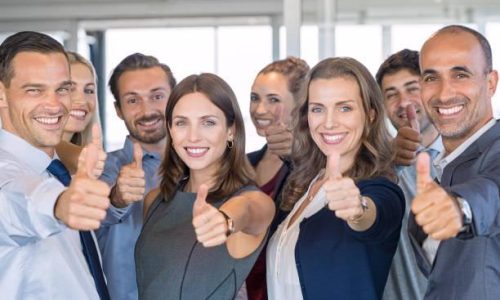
x: 282, y: 277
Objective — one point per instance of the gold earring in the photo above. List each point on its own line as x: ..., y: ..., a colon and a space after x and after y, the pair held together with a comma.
x: 230, y: 144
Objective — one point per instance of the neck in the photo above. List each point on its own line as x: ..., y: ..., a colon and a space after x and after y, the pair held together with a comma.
x: 158, y: 147
x: 197, y: 178
x: 429, y: 135
x: 451, y: 143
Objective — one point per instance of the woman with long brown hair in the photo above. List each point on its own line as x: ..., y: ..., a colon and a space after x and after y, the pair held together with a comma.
x: 345, y: 211
x: 207, y: 184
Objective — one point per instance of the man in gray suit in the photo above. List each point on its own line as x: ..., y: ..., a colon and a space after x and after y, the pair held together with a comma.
x: 455, y: 225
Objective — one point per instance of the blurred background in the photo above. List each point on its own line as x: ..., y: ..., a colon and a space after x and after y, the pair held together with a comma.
x: 236, y: 38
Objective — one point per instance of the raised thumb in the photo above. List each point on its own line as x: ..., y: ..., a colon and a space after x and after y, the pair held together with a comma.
x: 201, y: 200
x: 423, y: 171
x: 411, y: 115
x: 138, y: 155
x: 333, y: 166
x: 87, y: 161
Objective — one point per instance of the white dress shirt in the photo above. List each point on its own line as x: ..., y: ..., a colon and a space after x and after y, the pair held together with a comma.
x: 40, y: 258
x: 431, y: 245
x: 282, y: 276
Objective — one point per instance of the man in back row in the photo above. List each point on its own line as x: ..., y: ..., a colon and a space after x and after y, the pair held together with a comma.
x: 141, y: 86
x: 42, y: 253
x: 399, y: 81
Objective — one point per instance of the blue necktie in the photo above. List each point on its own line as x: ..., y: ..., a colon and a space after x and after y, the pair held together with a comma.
x: 59, y: 171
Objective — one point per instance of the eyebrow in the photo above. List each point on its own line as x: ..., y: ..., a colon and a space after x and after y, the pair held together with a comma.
x: 338, y: 103
x: 201, y: 117
x: 411, y: 83
x: 461, y: 69
x: 40, y: 85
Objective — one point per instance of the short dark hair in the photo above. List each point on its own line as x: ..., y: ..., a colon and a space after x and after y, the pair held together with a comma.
x: 137, y: 61
x: 24, y: 41
x: 483, y: 42
x: 405, y: 59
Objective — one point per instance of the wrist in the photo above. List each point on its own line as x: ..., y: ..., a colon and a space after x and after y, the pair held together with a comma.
x: 229, y: 223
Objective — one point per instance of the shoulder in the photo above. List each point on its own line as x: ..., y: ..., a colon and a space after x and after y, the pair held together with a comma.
x: 380, y: 187
x: 150, y: 198
x: 255, y: 156
x: 10, y: 166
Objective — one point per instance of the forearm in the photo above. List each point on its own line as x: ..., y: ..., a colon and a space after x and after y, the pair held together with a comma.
x: 252, y: 212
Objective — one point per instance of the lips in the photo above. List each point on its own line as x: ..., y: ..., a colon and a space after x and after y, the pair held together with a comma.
x: 78, y: 114
x: 263, y: 122
x: 450, y: 111
x: 149, y: 123
x: 49, y: 122
x: 196, y: 151
x: 333, y: 139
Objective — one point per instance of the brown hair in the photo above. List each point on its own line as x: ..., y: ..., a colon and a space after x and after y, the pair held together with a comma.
x: 24, y: 41
x: 133, y: 62
x: 374, y: 156
x: 235, y: 170
x: 295, y: 71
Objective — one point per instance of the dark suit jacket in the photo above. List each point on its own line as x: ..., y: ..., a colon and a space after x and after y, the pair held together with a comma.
x: 468, y: 266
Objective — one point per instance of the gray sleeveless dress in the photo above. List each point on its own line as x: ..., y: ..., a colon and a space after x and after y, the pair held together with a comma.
x: 171, y: 264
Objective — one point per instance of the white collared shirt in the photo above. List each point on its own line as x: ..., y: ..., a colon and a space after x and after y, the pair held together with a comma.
x: 282, y: 276
x: 431, y: 245
x: 40, y: 258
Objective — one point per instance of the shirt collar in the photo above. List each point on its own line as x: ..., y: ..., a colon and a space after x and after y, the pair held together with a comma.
x: 128, y: 148
x: 24, y: 151
x: 443, y: 161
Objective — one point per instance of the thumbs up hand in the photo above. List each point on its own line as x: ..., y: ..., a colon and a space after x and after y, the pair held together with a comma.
x: 101, y: 155
x: 408, y: 139
x: 208, y: 222
x: 342, y: 195
x: 278, y: 136
x: 131, y: 184
x: 436, y: 211
x: 83, y: 205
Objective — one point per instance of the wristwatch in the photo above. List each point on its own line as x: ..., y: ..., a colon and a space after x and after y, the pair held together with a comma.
x: 229, y: 223
x: 466, y: 214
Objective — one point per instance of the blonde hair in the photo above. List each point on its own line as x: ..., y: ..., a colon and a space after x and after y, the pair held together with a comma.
x: 84, y: 137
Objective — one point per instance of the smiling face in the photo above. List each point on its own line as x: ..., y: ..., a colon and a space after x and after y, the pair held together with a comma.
x: 199, y: 133
x: 35, y: 105
x: 336, y: 117
x: 143, y: 98
x: 83, y: 98
x: 271, y: 102
x: 401, y: 89
x: 456, y: 88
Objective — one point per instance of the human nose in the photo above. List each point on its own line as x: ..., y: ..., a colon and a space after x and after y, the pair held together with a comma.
x: 193, y: 134
x: 446, y: 90
x: 260, y: 108
x: 330, y: 121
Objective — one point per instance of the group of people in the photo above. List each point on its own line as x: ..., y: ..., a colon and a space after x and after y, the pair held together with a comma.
x: 332, y: 207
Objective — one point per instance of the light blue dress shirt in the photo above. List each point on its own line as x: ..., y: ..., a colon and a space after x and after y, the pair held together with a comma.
x: 405, y: 281
x: 119, y: 232
x: 40, y: 258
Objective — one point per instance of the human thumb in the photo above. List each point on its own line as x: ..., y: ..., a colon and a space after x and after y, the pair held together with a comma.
x: 411, y: 115
x: 87, y: 161
x: 423, y: 171
x: 138, y: 155
x: 201, y: 200
x: 333, y: 166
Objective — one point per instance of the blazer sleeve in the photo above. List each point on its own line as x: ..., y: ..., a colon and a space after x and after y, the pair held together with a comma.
x: 389, y: 201
x: 481, y: 190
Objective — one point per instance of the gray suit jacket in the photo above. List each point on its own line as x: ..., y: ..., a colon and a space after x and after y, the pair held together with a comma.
x: 468, y: 266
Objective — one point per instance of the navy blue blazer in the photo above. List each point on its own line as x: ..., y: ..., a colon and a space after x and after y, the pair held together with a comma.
x: 336, y: 262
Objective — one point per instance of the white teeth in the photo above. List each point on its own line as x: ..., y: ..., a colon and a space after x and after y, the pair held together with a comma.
x: 450, y: 111
x: 148, y: 123
x: 78, y: 113
x: 47, y: 120
x: 333, y: 138
x: 261, y: 122
x: 196, y: 150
